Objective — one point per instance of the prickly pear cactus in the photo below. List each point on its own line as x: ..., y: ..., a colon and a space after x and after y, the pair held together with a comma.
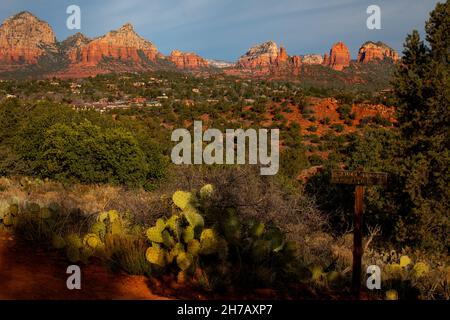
x: 184, y: 260
x: 257, y: 229
x: 73, y: 240
x: 193, y: 247
x: 208, y: 241
x: 182, y: 199
x: 102, y: 216
x: 175, y: 251
x: 174, y: 225
x: 99, y: 229
x: 420, y: 269
x: 156, y: 255
x: 193, y: 217
x: 206, y: 191
x: 188, y: 234
x: 91, y: 240
x: 113, y: 215
x: 232, y: 227
x: 333, y: 276
x: 167, y: 239
x: 317, y: 273
x: 405, y: 261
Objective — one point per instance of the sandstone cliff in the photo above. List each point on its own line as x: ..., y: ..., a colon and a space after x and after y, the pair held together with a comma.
x: 370, y: 51
x: 122, y: 44
x: 24, y: 38
x: 267, y: 58
x: 187, y: 60
x: 339, y: 57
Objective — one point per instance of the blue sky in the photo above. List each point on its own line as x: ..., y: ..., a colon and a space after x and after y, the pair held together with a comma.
x: 225, y: 29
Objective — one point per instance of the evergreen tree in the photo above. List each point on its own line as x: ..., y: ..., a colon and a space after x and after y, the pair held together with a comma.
x: 422, y: 86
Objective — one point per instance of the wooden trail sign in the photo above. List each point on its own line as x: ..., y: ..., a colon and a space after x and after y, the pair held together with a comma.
x: 360, y: 179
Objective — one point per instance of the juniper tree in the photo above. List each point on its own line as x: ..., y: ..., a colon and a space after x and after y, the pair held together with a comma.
x: 422, y: 88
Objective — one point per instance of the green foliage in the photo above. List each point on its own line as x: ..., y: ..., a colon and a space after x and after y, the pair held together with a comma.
x: 88, y: 154
x: 53, y: 140
x: 422, y: 88
x: 338, y: 127
x: 344, y: 111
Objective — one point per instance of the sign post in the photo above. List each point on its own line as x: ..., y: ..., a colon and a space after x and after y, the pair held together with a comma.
x: 360, y: 179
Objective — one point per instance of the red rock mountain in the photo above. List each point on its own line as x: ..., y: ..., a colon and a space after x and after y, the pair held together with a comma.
x: 370, y: 51
x: 339, y: 57
x: 266, y: 58
x: 122, y: 44
x: 187, y: 60
x: 24, y: 38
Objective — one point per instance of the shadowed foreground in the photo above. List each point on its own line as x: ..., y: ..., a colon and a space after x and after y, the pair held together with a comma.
x: 30, y: 273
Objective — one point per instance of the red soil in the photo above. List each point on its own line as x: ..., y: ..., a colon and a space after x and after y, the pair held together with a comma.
x: 33, y: 274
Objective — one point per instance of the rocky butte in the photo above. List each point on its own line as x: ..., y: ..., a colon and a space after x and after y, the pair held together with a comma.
x: 23, y: 39
x: 122, y: 44
x: 370, y: 51
x: 187, y: 60
x: 339, y: 57
x: 267, y: 58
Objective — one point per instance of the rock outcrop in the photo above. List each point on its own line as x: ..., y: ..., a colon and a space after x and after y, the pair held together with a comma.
x: 339, y: 57
x: 260, y: 56
x: 266, y: 58
x: 220, y: 64
x: 73, y: 45
x: 370, y: 51
x: 123, y: 44
x: 24, y: 38
x: 311, y: 59
x: 187, y: 60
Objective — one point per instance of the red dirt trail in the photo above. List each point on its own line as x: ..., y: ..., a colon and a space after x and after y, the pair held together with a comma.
x: 31, y: 273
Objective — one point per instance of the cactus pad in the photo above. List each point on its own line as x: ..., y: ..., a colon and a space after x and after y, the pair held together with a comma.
x: 184, y: 260
x: 182, y: 199
x: 154, y: 234
x: 209, y: 241
x: 194, y: 218
x: 156, y: 256
x: 206, y: 191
